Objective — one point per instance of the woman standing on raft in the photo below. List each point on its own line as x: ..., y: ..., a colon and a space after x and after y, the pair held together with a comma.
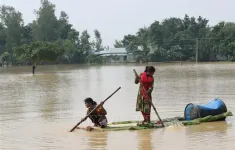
x: 146, y: 81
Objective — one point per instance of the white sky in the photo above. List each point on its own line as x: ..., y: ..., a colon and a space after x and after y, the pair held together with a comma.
x: 116, y: 18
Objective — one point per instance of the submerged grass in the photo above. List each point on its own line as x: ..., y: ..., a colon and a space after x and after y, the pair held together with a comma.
x: 137, y: 125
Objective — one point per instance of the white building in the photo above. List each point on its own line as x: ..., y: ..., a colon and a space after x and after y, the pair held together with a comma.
x: 116, y: 55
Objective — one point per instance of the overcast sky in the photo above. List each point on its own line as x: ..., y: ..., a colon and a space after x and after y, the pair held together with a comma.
x: 116, y: 18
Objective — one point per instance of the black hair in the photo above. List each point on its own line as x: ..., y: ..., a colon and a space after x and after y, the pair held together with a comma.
x: 90, y: 101
x: 149, y: 69
x: 146, y: 69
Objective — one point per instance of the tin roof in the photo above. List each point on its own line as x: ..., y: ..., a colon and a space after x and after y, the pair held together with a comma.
x: 114, y: 51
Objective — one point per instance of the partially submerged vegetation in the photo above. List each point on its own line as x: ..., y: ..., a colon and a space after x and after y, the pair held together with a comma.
x: 136, y: 125
x: 219, y: 117
x: 173, y: 39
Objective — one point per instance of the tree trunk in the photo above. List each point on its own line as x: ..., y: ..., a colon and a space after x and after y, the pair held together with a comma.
x: 33, y: 67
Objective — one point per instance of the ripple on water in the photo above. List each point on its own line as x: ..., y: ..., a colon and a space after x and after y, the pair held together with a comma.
x: 36, y: 112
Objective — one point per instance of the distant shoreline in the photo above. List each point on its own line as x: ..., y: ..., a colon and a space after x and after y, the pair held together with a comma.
x: 126, y: 63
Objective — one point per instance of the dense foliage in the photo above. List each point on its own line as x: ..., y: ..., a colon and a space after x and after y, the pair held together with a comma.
x: 47, y: 38
x: 52, y: 38
x: 180, y: 39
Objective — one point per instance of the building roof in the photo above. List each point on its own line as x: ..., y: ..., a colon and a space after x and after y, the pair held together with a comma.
x: 113, y: 54
x: 113, y: 51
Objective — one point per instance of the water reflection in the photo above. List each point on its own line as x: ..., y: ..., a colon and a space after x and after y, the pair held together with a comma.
x: 51, y: 102
x: 212, y: 127
x: 11, y: 90
x: 97, y: 140
x: 144, y: 140
x: 209, y: 135
x: 54, y: 95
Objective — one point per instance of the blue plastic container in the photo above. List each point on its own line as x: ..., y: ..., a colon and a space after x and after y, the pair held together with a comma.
x: 214, y: 107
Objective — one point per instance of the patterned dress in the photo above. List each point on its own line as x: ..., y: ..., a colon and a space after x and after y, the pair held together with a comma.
x: 98, y: 117
x: 146, y: 83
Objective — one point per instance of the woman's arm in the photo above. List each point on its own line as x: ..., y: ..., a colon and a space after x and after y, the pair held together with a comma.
x: 151, y: 87
x: 137, y: 79
x: 101, y: 111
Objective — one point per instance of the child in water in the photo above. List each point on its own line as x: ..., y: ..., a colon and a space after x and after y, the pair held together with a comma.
x: 98, y: 116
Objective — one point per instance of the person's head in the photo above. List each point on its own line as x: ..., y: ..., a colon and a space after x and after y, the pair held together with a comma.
x: 150, y: 70
x: 146, y: 68
x: 89, y: 102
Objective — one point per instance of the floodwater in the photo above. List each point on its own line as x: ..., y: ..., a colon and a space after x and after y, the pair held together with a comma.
x: 37, y: 112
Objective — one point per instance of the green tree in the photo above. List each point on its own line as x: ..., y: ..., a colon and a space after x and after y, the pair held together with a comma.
x: 70, y: 39
x: 98, y: 43
x: 64, y: 26
x: 5, y: 57
x: 2, y: 37
x: 118, y: 44
x: 45, y: 28
x: 13, y: 22
x: 85, y: 45
x: 70, y: 52
x: 39, y: 51
x: 180, y: 39
x: 26, y: 34
x: 231, y: 50
x: 144, y: 44
x: 129, y: 41
x: 2, y: 32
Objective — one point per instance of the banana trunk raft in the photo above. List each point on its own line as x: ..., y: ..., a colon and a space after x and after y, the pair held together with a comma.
x: 136, y: 125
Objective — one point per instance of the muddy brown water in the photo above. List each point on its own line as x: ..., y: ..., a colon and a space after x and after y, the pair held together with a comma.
x: 36, y: 112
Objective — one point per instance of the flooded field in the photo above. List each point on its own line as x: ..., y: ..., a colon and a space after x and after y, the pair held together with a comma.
x: 37, y: 112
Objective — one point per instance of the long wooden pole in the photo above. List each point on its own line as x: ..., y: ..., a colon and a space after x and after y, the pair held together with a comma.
x: 151, y: 103
x: 94, y: 110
